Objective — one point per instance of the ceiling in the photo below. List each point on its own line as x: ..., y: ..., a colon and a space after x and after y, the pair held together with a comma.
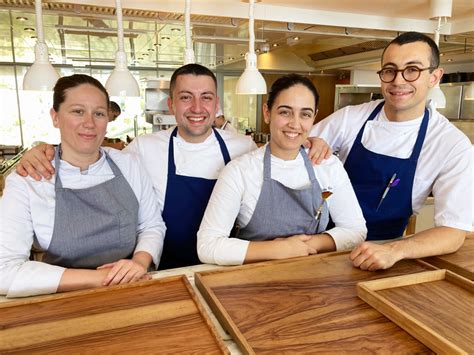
x: 299, y: 35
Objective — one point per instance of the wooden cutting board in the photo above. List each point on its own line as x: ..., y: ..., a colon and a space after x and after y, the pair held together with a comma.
x: 460, y: 262
x: 304, y: 305
x: 159, y: 316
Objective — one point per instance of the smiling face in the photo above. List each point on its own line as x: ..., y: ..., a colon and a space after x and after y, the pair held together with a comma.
x: 406, y: 100
x: 290, y: 118
x: 194, y: 103
x: 82, y: 121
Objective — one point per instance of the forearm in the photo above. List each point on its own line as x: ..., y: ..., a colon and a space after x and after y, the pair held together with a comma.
x: 322, y: 243
x: 143, y: 258
x: 433, y: 241
x: 79, y: 279
x: 264, y: 250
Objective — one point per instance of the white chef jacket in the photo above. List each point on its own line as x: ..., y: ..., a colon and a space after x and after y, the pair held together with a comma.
x: 237, y: 191
x: 444, y: 166
x: 27, y: 215
x: 202, y: 160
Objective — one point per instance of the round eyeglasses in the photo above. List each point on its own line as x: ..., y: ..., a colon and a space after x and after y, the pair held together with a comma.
x: 410, y: 73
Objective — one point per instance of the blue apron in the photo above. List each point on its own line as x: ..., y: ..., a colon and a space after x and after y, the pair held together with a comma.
x: 185, y: 203
x: 371, y: 174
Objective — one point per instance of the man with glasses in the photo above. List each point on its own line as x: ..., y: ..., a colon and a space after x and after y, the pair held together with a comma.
x: 399, y: 150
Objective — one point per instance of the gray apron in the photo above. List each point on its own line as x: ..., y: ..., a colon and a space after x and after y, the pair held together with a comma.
x: 283, y: 212
x: 95, y: 225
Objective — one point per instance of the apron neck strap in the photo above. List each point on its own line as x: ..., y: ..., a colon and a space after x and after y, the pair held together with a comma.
x: 267, y: 164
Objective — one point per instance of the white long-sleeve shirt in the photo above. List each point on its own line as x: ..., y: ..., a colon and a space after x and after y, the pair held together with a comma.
x: 27, y: 215
x: 202, y: 160
x: 444, y: 166
x: 237, y: 191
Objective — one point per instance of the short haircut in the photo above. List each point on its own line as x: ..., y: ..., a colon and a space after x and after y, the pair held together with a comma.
x: 288, y: 81
x: 114, y: 107
x: 193, y: 69
x: 411, y: 37
x: 68, y: 82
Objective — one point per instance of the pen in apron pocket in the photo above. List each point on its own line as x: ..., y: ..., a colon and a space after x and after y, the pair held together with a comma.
x: 392, y: 183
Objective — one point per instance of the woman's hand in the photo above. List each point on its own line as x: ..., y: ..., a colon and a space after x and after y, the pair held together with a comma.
x: 279, y: 248
x: 122, y: 272
x: 36, y: 162
x: 294, y: 246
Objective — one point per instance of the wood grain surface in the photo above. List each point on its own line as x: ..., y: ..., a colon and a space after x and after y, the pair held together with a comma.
x: 304, y: 305
x: 159, y: 316
x: 436, y: 307
x: 460, y: 262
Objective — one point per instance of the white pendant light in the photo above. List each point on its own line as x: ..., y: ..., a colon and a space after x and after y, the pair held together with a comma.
x: 41, y: 75
x: 121, y: 82
x: 189, y: 51
x: 251, y: 82
x: 437, y: 98
x: 439, y: 9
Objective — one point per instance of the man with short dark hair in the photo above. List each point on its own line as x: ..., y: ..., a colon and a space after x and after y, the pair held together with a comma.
x: 399, y: 150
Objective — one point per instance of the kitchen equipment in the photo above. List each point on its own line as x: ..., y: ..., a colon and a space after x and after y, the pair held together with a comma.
x: 353, y: 95
x: 156, y: 104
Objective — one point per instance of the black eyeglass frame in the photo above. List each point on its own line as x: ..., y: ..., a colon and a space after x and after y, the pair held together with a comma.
x: 403, y: 73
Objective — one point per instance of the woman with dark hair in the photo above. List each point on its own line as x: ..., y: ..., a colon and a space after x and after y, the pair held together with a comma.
x: 280, y: 203
x: 97, y: 222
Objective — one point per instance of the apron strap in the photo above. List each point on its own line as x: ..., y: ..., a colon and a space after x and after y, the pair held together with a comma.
x: 421, y: 137
x: 374, y: 114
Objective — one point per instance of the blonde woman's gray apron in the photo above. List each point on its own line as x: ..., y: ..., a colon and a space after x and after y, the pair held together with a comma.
x: 95, y: 225
x: 283, y: 212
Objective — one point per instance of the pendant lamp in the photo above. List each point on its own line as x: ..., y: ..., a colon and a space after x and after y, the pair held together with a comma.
x: 41, y: 75
x: 189, y: 51
x: 251, y: 82
x: 440, y: 9
x: 121, y: 82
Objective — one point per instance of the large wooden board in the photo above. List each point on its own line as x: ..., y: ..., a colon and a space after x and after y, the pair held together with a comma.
x: 460, y: 262
x: 159, y: 316
x: 304, y: 305
x: 436, y: 307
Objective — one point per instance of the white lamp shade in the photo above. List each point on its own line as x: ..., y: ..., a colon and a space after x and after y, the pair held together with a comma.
x: 469, y: 94
x: 437, y: 97
x: 41, y: 75
x: 251, y: 82
x: 121, y: 82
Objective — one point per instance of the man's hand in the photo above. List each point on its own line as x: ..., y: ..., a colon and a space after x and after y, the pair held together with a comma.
x: 36, y: 162
x: 318, y: 150
x: 371, y: 256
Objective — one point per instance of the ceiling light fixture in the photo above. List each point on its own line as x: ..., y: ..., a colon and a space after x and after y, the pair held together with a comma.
x: 22, y: 18
x: 275, y: 45
x: 188, y: 51
x: 440, y: 10
x: 251, y: 82
x: 165, y: 38
x: 29, y: 29
x: 121, y: 82
x: 41, y: 75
